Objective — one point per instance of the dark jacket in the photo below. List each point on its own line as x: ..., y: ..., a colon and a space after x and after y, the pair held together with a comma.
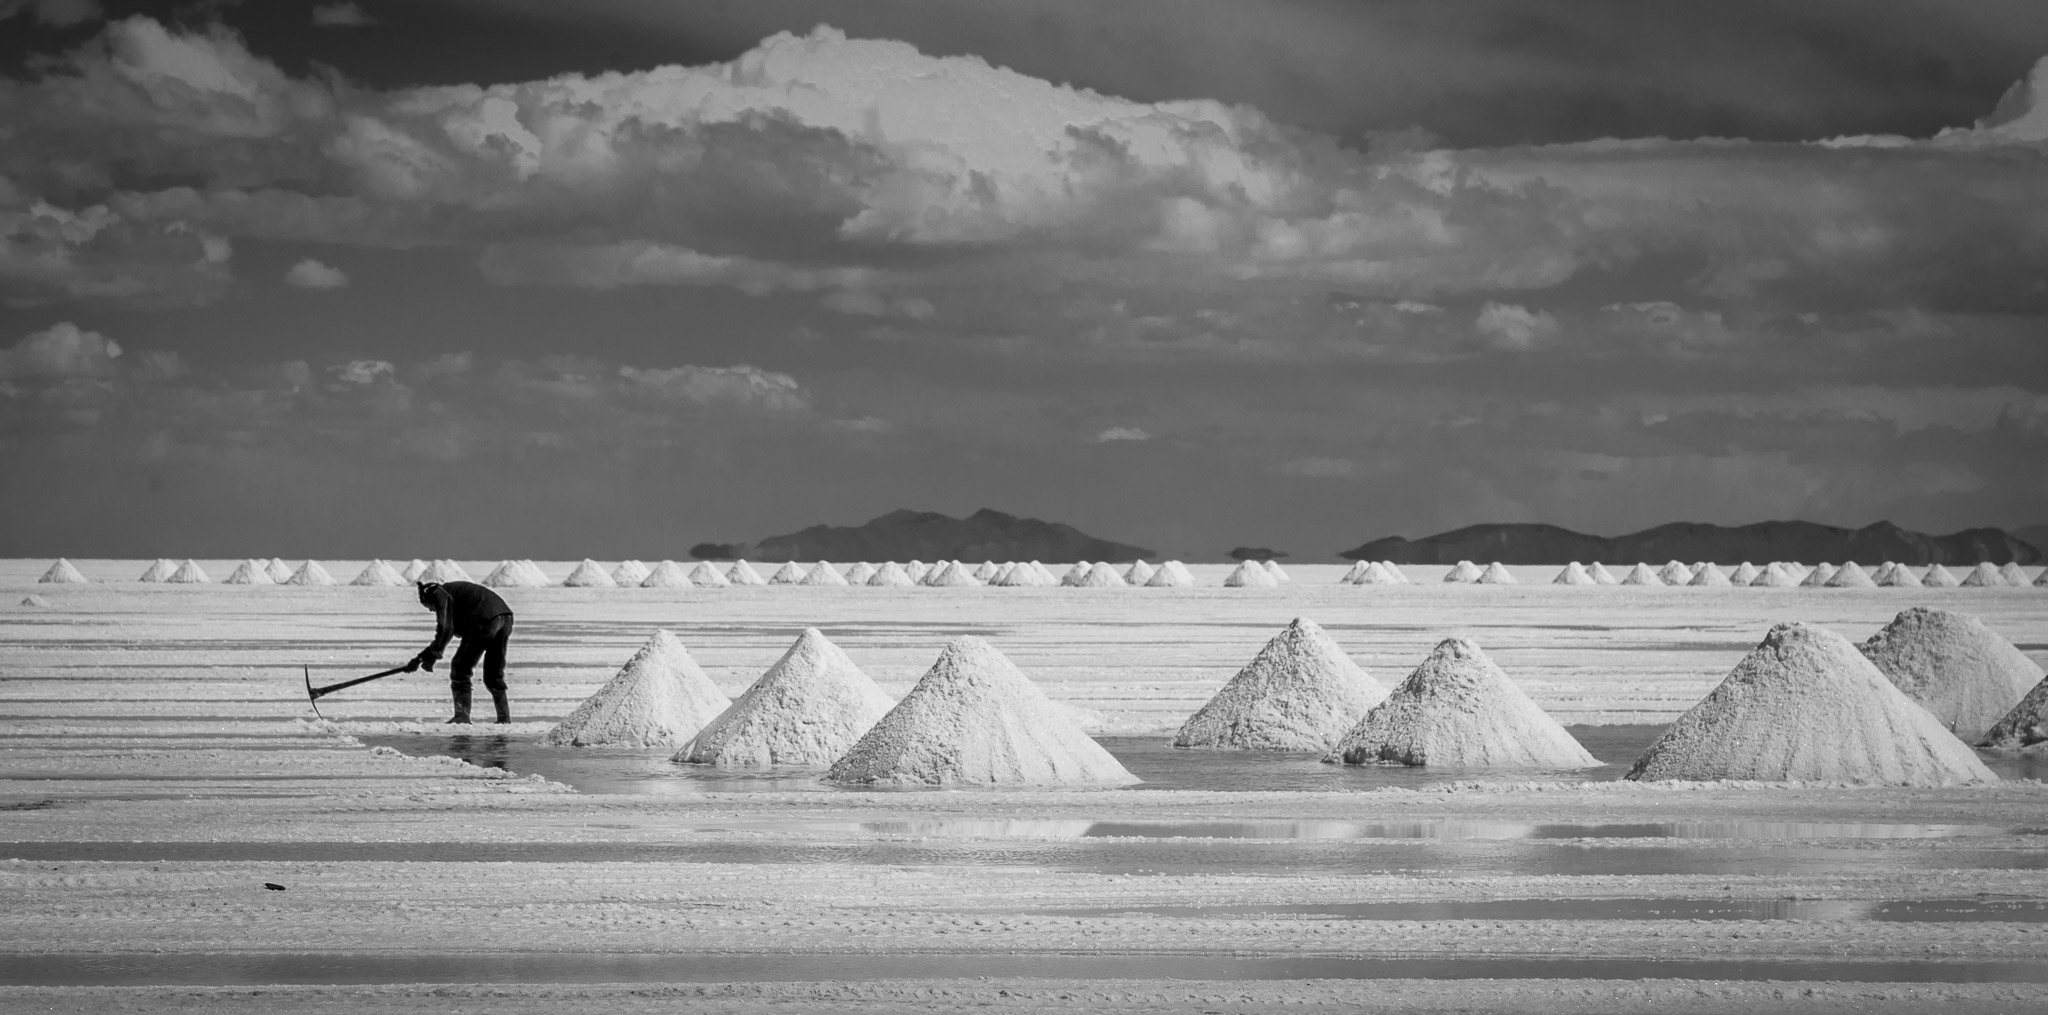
x: 461, y: 610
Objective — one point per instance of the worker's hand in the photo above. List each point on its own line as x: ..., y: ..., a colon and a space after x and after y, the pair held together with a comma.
x: 412, y: 665
x: 427, y: 662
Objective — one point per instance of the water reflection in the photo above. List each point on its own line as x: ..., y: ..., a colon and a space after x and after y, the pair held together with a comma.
x: 490, y: 751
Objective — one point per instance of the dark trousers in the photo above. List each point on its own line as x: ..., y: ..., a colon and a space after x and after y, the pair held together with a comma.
x: 490, y: 644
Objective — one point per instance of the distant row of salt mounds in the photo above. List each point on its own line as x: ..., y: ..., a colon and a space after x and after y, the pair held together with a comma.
x: 1705, y: 574
x: 973, y: 719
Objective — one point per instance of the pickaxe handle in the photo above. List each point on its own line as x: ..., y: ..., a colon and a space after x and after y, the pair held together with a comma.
x: 314, y: 694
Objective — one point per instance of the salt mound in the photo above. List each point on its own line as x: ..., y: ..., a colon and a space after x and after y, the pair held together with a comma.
x: 1495, y: 574
x: 535, y: 577
x: 859, y: 573
x: 1250, y: 575
x: 1300, y: 693
x: 1171, y: 575
x: 277, y: 569
x: 1602, y: 575
x: 986, y: 571
x: 1804, y: 705
x: 950, y: 575
x: 1709, y: 576
x: 1574, y: 573
x: 1459, y: 710
x: 411, y: 572
x: 1901, y: 577
x: 1954, y: 667
x: 975, y: 719
x: 1465, y: 571
x: 443, y: 570
x: 1850, y: 576
x: 2041, y: 580
x: 743, y: 573
x: 660, y: 698
x: 890, y: 575
x: 1046, y: 577
x: 2023, y: 727
x: 377, y: 572
x: 823, y: 573
x: 189, y: 573
x: 1938, y: 577
x: 670, y: 575
x: 809, y: 708
x: 249, y: 572
x: 589, y: 574
x: 62, y: 573
x: 1674, y: 573
x: 1273, y: 566
x: 1075, y: 574
x: 34, y: 600
x: 706, y: 576
x: 1379, y: 573
x: 1983, y: 576
x: 1818, y: 576
x: 787, y: 574
x: 1103, y: 576
x: 510, y: 574
x: 1744, y: 574
x: 2013, y: 575
x: 1641, y: 575
x: 1394, y: 571
x: 160, y: 571
x: 916, y: 569
x: 1775, y: 575
x: 1356, y: 572
x: 629, y: 573
x: 310, y: 573
x: 1139, y: 573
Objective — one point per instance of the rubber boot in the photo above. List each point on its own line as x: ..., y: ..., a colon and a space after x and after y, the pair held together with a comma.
x: 461, y: 708
x: 504, y: 706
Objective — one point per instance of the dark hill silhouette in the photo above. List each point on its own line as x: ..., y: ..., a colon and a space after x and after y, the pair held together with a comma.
x: 1810, y: 542
x: 928, y: 535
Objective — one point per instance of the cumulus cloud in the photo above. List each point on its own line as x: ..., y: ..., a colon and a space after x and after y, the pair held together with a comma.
x: 55, y: 13
x: 1120, y: 433
x: 739, y: 386
x: 1514, y: 328
x: 312, y: 274
x: 58, y: 351
x: 341, y: 15
x: 365, y: 371
x: 50, y: 254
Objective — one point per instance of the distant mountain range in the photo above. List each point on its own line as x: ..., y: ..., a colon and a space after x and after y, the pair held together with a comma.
x: 1689, y: 541
x: 928, y: 535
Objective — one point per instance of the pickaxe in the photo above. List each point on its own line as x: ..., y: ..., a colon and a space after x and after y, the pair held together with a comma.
x: 314, y: 694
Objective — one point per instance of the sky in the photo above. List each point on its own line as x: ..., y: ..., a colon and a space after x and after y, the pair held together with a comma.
x: 491, y: 278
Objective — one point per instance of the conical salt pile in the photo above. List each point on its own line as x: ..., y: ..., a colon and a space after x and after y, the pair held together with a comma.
x: 1938, y: 577
x: 1394, y: 571
x: 985, y: 572
x: 1774, y: 576
x: 410, y: 573
x: 443, y: 570
x: 1954, y: 667
x: 1380, y: 573
x: 705, y: 575
x: 1103, y: 576
x: 810, y: 708
x: 743, y: 573
x: 1818, y: 576
x: 1300, y: 693
x: 189, y: 573
x: 2041, y: 580
x: 512, y: 574
x: 660, y: 698
x: 950, y: 575
x: 1273, y: 567
x: 310, y: 573
x: 1171, y: 575
x: 1641, y: 575
x: 1983, y: 576
x: 34, y: 600
x: 890, y: 575
x: 2013, y: 575
x: 249, y: 572
x: 1601, y: 574
x: 2025, y: 726
x: 1744, y: 574
x: 1709, y: 576
x: 1495, y: 574
x: 1047, y: 579
x: 1138, y: 573
x: 916, y: 569
x: 1465, y: 571
x: 788, y: 574
x: 1250, y: 575
x: 1356, y: 572
x: 974, y: 719
x: 1901, y: 577
x: 534, y: 575
x: 629, y: 573
x: 589, y: 574
x: 62, y: 573
x: 1574, y: 573
x: 1459, y: 710
x: 859, y: 573
x: 1804, y: 705
x: 160, y: 571
x: 823, y: 573
x: 377, y: 572
x: 1075, y: 574
x: 670, y: 575
x: 1850, y: 576
x: 1674, y: 573
x: 1883, y: 572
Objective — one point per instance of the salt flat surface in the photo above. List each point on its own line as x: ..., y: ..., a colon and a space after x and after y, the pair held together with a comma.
x: 137, y: 714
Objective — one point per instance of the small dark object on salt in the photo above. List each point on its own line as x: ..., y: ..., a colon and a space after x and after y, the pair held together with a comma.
x: 273, y: 886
